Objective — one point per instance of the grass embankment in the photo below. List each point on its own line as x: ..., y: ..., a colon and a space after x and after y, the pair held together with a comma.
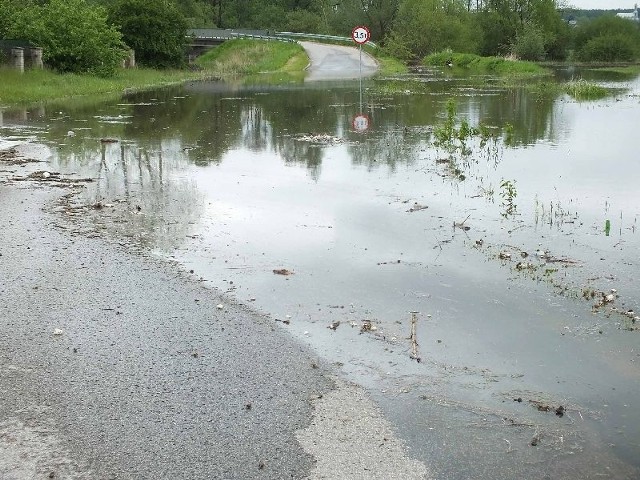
x: 388, y: 65
x: 38, y: 85
x: 270, y: 61
x: 469, y: 62
x: 275, y: 61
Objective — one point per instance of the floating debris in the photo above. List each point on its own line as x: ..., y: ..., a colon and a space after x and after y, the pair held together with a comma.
x: 367, y: 326
x: 413, y: 337
x: 417, y: 207
x: 282, y: 271
x: 321, y: 139
x: 525, y: 266
x: 334, y: 325
x: 389, y: 263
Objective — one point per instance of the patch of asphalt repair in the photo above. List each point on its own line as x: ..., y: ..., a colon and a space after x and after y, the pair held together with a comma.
x: 116, y: 365
x: 350, y: 438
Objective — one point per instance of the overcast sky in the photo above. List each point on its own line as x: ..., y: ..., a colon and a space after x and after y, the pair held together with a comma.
x: 602, y: 4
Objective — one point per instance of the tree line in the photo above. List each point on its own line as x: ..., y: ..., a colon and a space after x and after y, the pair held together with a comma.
x: 94, y: 35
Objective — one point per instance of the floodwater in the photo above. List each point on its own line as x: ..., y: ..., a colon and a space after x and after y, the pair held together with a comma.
x: 486, y: 297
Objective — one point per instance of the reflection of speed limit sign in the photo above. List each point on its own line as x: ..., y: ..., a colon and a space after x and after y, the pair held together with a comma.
x: 360, y: 122
x: 360, y: 35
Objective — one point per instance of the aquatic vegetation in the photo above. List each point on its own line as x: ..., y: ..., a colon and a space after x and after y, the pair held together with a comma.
x: 579, y: 89
x: 452, y: 139
x: 584, y: 90
x: 508, y: 193
x: 474, y: 63
x: 630, y: 70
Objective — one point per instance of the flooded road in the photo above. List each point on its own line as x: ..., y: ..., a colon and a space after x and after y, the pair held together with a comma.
x: 484, y: 289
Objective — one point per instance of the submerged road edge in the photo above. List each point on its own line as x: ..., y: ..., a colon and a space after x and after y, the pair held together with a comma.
x: 117, y: 365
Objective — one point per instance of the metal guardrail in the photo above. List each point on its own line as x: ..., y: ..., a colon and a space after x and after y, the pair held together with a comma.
x: 198, y: 34
x: 316, y: 36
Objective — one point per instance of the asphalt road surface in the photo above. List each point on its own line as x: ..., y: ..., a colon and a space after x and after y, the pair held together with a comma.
x: 114, y: 365
x: 335, y: 62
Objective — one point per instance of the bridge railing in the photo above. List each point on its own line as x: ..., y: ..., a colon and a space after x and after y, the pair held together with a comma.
x: 219, y: 34
x: 316, y: 36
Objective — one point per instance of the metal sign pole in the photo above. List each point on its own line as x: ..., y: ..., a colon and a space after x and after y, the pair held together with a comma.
x: 361, y: 77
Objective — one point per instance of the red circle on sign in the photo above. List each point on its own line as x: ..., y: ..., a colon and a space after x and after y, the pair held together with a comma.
x: 360, y: 122
x: 360, y: 34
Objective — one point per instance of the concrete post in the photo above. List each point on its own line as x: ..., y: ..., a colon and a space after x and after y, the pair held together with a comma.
x: 17, y: 59
x: 131, y: 59
x: 35, y: 54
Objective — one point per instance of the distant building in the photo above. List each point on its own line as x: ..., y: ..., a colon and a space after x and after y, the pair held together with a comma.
x: 634, y: 15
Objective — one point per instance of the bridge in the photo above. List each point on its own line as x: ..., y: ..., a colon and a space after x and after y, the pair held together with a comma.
x: 203, y: 39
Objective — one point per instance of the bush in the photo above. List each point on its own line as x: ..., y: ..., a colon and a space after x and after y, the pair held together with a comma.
x: 529, y: 44
x: 155, y: 29
x: 74, y: 35
x: 607, y: 48
x: 426, y: 26
x: 607, y: 38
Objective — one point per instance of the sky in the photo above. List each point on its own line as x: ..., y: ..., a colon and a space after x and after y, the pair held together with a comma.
x: 602, y: 4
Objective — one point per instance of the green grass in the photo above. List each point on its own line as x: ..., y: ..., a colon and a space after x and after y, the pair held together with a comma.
x: 579, y: 89
x: 244, y: 57
x: 583, y: 90
x: 270, y: 61
x: 469, y: 62
x: 627, y: 70
x: 38, y: 85
x: 388, y: 65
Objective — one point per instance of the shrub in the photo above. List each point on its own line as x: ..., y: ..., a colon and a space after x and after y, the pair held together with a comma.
x: 74, y: 35
x: 529, y: 44
x: 607, y: 48
x: 607, y: 38
x: 155, y: 29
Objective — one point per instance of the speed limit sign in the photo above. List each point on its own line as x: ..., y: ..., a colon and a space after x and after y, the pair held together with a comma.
x: 360, y: 35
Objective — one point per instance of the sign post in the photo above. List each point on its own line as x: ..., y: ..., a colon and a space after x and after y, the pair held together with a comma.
x: 360, y: 35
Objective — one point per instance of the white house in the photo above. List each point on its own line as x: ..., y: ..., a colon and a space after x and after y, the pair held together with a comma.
x: 635, y: 15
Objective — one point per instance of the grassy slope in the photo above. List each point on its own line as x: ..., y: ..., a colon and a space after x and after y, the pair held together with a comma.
x: 233, y: 59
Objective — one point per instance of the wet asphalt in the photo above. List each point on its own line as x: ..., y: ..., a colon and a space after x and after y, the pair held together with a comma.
x: 117, y: 365
x: 149, y: 378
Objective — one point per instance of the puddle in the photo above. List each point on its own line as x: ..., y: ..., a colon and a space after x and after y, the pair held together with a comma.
x: 480, y: 264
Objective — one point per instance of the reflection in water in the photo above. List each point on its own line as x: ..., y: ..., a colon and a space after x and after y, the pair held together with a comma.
x: 228, y: 166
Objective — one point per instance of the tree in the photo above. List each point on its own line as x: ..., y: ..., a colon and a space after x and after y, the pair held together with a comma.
x: 504, y: 21
x: 529, y: 44
x: 75, y: 36
x: 155, y: 29
x: 377, y: 15
x: 427, y: 26
x: 607, y: 38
